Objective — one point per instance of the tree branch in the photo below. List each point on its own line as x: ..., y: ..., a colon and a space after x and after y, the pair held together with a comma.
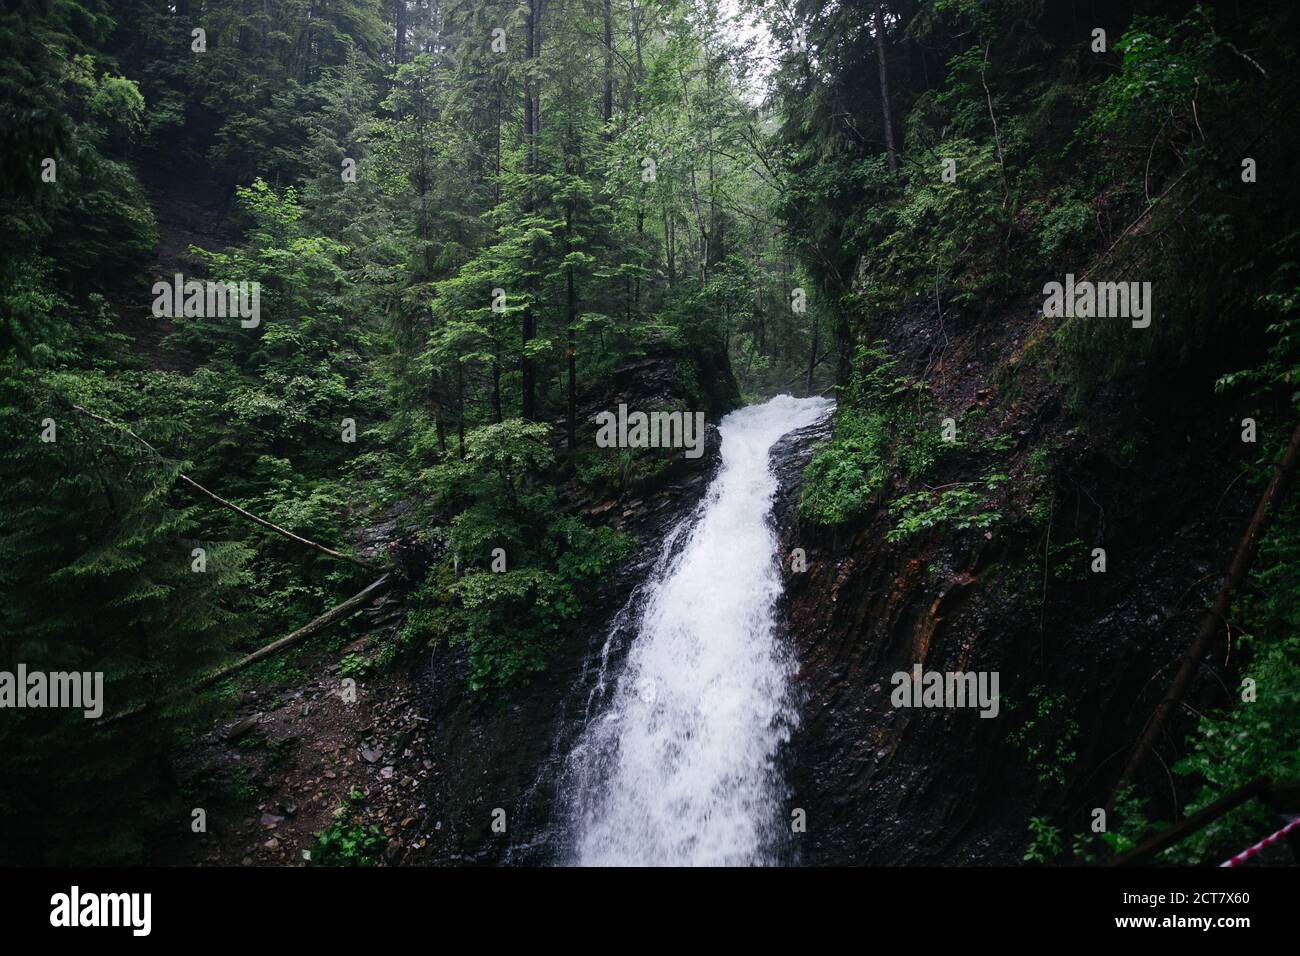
x: 193, y: 485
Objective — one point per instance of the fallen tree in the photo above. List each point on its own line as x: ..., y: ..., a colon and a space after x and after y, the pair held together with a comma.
x: 314, y: 626
x: 304, y: 632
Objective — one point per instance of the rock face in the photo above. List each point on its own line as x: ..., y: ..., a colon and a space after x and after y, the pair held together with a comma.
x: 496, y: 753
x: 886, y: 785
x: 879, y: 786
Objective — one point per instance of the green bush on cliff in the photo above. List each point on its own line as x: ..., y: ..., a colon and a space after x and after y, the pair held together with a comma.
x: 956, y: 509
x: 884, y: 426
x: 842, y: 476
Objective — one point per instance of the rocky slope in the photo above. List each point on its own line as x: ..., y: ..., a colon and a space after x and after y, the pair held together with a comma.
x: 1081, y: 655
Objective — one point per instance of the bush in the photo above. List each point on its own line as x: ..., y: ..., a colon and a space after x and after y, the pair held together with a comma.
x: 884, y: 426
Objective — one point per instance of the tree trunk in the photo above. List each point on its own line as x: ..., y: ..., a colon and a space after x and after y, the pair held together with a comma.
x: 844, y: 343
x: 670, y: 248
x: 399, y: 24
x: 460, y: 406
x: 884, y: 90
x: 638, y: 76
x: 440, y: 427
x: 496, y: 390
x: 532, y: 124
x: 496, y: 166
x: 607, y: 103
x: 572, y: 351
x: 711, y: 249
x: 1216, y: 621
x: 812, y: 355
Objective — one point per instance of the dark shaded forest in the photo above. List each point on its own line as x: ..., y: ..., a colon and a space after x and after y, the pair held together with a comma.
x: 473, y: 224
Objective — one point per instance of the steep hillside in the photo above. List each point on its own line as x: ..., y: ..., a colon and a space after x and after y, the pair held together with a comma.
x: 1080, y: 654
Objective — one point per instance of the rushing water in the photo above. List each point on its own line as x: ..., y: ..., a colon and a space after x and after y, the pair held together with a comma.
x: 677, y: 761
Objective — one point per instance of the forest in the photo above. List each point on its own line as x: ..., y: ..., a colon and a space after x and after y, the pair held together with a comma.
x: 309, y: 310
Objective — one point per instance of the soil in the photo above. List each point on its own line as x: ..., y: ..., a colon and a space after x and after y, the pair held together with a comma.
x: 294, y: 754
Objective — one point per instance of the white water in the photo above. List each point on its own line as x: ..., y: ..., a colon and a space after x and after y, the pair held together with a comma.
x: 679, y: 766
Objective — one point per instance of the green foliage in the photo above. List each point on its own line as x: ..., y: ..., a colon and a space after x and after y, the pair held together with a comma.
x: 583, y: 553
x: 844, y: 475
x: 1046, y: 736
x: 1156, y: 127
x: 95, y: 515
x: 1280, y: 371
x: 926, y: 240
x: 345, y: 842
x: 354, y: 665
x: 1063, y: 226
x: 495, y: 488
x: 883, y: 427
x: 955, y: 509
x: 1162, y: 68
x: 238, y: 785
x: 1129, y: 823
x: 1234, y: 746
x: 1045, y: 841
x: 508, y: 606
x: 510, y: 620
x: 89, y: 227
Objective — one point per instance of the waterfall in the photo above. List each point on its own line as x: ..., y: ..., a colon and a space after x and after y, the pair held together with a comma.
x: 677, y: 761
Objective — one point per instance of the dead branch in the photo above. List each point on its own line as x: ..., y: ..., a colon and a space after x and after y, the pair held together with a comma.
x: 193, y: 485
x: 307, y: 630
x: 304, y: 632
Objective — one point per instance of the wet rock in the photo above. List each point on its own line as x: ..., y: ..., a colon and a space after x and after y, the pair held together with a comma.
x: 243, y: 727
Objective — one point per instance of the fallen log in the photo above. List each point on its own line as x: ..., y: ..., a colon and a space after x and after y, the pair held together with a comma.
x: 195, y: 486
x: 307, y: 630
x: 1186, y: 827
x: 304, y: 632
